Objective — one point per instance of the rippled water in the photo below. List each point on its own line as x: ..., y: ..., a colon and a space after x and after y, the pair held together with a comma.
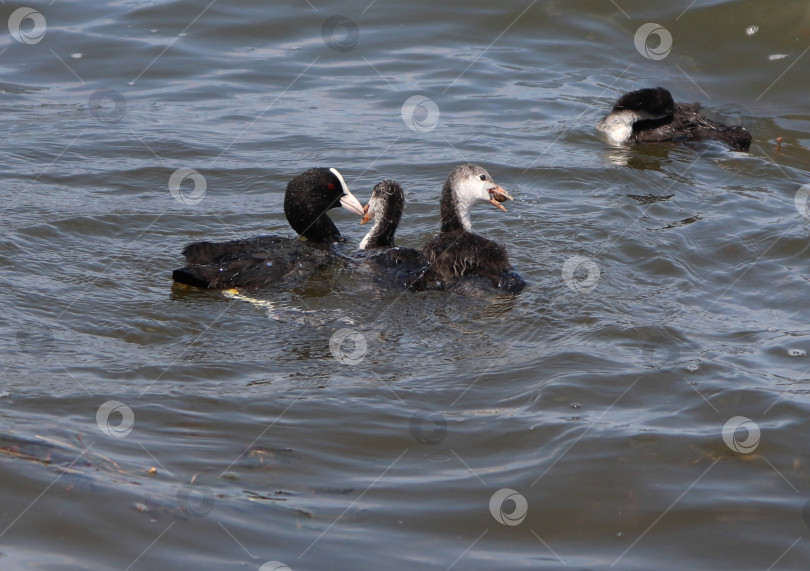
x: 642, y: 405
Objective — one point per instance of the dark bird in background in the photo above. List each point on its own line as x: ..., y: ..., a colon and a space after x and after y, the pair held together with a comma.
x: 651, y: 116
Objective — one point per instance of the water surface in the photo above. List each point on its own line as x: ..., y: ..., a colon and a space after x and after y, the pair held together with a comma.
x: 601, y: 401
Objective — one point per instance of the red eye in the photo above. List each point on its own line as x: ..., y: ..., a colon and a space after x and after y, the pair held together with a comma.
x: 331, y: 186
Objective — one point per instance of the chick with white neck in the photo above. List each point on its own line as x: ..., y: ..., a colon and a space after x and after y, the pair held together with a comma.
x: 385, y: 208
x: 455, y: 251
x: 392, y: 265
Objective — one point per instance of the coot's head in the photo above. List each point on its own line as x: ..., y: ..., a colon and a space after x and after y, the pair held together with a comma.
x: 310, y: 195
x: 384, y: 207
x: 466, y: 186
x: 648, y: 103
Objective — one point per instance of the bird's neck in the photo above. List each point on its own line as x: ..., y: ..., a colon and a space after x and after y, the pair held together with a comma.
x: 455, y: 212
x: 322, y: 230
x: 312, y: 224
x: 381, y: 235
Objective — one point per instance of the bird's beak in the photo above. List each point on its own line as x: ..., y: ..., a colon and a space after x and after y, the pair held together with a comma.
x: 367, y: 214
x: 350, y: 203
x: 498, y: 195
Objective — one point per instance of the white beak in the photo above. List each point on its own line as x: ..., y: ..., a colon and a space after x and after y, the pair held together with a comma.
x: 350, y: 203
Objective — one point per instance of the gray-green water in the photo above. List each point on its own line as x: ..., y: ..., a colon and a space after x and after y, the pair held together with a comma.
x: 600, y: 402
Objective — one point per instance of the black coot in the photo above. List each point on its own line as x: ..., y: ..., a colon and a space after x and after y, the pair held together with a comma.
x: 268, y: 260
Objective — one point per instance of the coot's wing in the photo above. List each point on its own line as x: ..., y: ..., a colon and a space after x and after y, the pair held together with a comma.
x: 250, y: 263
x: 688, y: 123
x: 452, y: 255
x: 680, y: 126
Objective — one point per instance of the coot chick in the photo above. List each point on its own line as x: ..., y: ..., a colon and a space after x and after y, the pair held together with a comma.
x: 651, y: 116
x: 400, y: 266
x: 455, y: 251
x: 267, y: 260
x: 385, y: 208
